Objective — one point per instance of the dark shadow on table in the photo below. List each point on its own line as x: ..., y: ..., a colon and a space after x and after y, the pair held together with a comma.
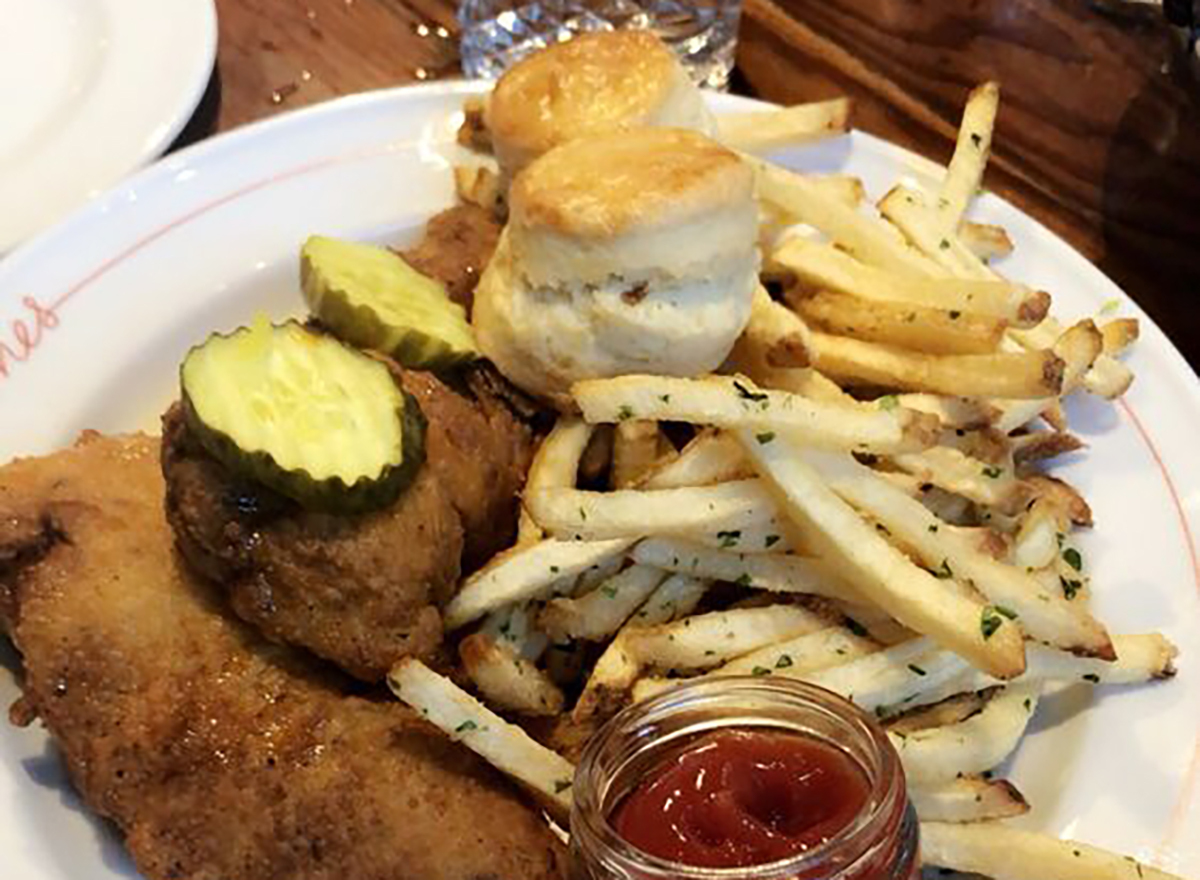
x: 204, y: 120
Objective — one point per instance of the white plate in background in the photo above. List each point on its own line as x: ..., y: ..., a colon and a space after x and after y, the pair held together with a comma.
x: 91, y: 90
x: 95, y: 316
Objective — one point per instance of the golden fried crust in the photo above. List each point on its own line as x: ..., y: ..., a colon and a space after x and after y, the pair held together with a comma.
x: 218, y: 756
x: 339, y: 585
x: 594, y: 83
x: 616, y: 184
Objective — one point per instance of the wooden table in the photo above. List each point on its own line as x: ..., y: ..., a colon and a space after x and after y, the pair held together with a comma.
x: 1098, y: 136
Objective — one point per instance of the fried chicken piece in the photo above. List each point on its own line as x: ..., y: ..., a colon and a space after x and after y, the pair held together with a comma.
x: 455, y: 248
x: 362, y: 590
x: 219, y: 755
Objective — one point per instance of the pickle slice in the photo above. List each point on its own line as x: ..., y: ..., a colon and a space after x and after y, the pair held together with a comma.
x: 369, y: 296
x: 304, y: 414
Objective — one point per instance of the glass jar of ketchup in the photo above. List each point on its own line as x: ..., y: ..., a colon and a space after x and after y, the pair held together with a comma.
x: 743, y: 779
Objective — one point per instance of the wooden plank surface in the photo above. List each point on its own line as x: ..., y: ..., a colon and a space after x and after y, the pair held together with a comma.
x: 1098, y: 135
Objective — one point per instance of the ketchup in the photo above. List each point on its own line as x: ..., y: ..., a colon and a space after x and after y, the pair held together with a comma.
x: 740, y: 798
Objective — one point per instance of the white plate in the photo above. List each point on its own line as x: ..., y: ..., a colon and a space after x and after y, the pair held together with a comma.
x: 89, y: 91
x: 95, y: 316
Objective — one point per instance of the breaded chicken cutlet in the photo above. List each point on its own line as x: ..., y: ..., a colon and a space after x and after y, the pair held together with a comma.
x: 359, y: 590
x: 218, y: 755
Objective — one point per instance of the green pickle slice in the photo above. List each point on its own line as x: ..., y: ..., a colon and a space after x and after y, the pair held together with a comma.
x: 304, y: 414
x: 369, y: 296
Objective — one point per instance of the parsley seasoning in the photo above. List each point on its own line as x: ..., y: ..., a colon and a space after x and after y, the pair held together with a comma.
x: 466, y: 726
x: 944, y: 572
x: 783, y: 662
x: 933, y: 528
x: 624, y: 413
x: 976, y: 139
x: 944, y: 244
x: 993, y: 471
x: 1072, y: 557
x: 1110, y: 306
x: 665, y: 398
x: 855, y: 627
x: 1028, y: 705
x: 760, y: 670
x: 1069, y: 587
x: 561, y: 785
x: 746, y: 394
x: 955, y: 314
x: 610, y: 592
x: 1092, y: 677
x: 989, y: 622
x: 888, y: 402
x: 583, y: 514
x: 771, y: 540
x: 743, y: 579
x: 916, y: 670
x: 554, y: 569
x: 765, y: 437
x: 729, y: 538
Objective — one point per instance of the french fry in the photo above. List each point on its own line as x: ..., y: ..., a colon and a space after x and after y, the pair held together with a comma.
x: 774, y: 337
x: 952, y: 710
x: 952, y: 470
x: 465, y: 720
x: 1046, y: 616
x: 764, y: 131
x: 507, y: 679
x: 969, y: 799
x: 711, y: 457
x: 802, y: 655
x: 525, y: 573
x: 906, y: 208
x: 1004, y: 853
x: 938, y: 755
x: 608, y: 687
x: 1030, y: 374
x: 965, y: 172
x: 966, y: 413
x: 635, y: 452
x: 866, y: 237
x: 616, y: 671
x: 1062, y: 496
x: 733, y: 402
x: 601, y: 612
x: 479, y: 186
x: 935, y: 331
x: 1108, y: 378
x: 1038, y: 537
x: 707, y: 640
x: 556, y: 463
x: 675, y: 597
x: 771, y: 572
x: 514, y: 629
x: 882, y: 573
x: 897, y: 675
x: 1042, y: 445
x: 595, y: 516
x: 822, y: 266
x: 985, y: 241
x: 1119, y: 334
x: 1140, y: 659
x: 1079, y: 347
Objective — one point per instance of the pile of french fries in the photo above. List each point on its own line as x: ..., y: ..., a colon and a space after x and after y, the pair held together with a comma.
x: 862, y: 505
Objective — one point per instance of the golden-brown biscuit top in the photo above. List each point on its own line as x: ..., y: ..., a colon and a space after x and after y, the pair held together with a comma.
x: 594, y: 83
x: 613, y: 184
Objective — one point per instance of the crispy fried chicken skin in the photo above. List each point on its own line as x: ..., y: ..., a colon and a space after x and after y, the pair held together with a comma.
x: 455, y: 248
x: 217, y: 754
x: 362, y: 590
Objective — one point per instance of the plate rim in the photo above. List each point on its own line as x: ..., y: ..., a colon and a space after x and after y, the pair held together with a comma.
x: 203, y: 151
